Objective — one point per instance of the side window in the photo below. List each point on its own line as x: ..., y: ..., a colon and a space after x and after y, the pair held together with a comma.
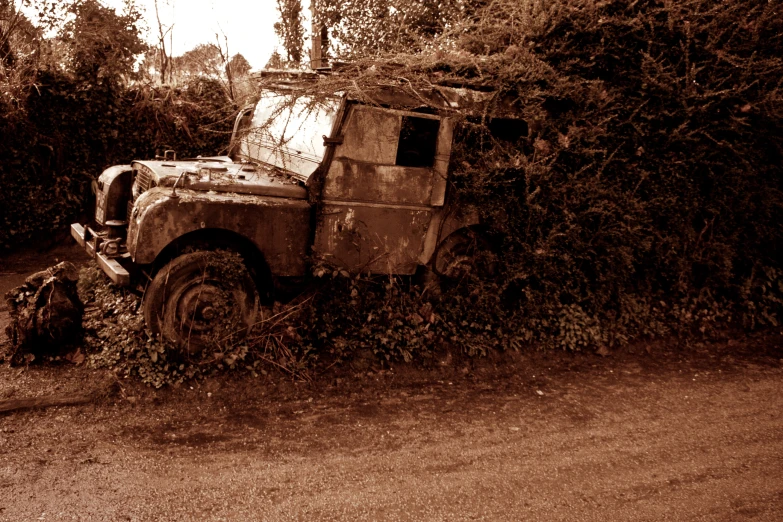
x: 418, y: 141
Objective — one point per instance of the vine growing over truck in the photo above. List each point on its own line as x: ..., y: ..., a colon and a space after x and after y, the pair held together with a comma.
x: 645, y: 194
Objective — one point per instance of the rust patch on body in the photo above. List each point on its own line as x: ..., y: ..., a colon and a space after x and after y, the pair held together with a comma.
x: 373, y: 238
x: 279, y: 227
x: 359, y: 181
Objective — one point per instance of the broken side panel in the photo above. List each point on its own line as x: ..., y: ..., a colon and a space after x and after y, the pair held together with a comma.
x: 373, y: 238
x: 350, y: 180
x: 378, y: 195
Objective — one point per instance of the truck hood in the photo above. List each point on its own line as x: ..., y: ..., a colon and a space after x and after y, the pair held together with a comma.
x: 218, y: 174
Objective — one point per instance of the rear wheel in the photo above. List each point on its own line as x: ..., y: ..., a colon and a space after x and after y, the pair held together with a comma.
x: 464, y: 254
x: 202, y: 299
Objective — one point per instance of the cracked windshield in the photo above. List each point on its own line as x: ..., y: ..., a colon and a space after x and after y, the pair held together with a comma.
x: 289, y: 132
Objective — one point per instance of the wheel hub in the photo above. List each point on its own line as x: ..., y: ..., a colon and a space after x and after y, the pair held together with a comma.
x: 203, y: 307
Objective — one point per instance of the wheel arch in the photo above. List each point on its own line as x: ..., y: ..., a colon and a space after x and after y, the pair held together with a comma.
x: 476, y: 228
x: 279, y: 227
x: 477, y: 233
x: 446, y: 222
x: 222, y: 239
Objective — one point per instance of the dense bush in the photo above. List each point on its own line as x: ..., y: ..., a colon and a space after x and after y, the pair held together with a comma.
x: 68, y: 131
x: 645, y: 198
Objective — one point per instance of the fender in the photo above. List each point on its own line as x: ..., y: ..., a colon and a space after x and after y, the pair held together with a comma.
x: 279, y: 227
x: 111, y: 195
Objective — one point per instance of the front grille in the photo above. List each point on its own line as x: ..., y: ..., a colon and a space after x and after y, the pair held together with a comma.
x: 144, y: 180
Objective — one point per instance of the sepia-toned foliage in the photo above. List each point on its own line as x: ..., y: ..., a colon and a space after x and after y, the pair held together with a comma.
x: 67, y: 111
x: 643, y: 199
x: 290, y: 30
x: 360, y: 29
x: 100, y: 44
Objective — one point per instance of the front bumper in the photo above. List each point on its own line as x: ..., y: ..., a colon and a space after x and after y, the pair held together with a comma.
x: 95, y: 244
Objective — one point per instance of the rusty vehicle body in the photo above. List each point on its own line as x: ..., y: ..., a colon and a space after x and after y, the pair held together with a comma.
x: 362, y: 187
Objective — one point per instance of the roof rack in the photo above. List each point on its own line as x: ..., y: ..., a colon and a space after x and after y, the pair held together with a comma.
x: 440, y: 98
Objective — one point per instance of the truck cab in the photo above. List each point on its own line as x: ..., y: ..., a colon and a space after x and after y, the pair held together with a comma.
x: 360, y: 186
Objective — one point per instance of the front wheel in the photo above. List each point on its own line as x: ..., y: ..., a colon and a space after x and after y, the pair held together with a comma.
x: 201, y: 299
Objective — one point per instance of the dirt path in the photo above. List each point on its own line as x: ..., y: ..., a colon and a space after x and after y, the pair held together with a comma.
x: 660, y: 434
x: 671, y: 435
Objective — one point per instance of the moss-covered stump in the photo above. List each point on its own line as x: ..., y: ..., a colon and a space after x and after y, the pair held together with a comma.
x: 46, y: 314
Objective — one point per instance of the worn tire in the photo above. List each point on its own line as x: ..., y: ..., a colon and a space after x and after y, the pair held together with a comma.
x: 465, y: 254
x: 195, y: 302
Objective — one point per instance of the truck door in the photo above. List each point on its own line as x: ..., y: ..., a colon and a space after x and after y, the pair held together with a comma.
x: 387, y: 178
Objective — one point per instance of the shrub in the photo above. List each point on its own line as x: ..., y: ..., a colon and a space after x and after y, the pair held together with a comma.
x: 646, y: 197
x: 68, y: 132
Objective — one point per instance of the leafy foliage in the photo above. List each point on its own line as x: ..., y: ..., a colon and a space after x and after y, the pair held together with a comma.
x: 116, y: 338
x: 69, y: 132
x: 642, y: 196
x: 102, y: 45
x: 651, y: 172
x: 368, y: 28
x: 68, y: 113
x: 290, y: 29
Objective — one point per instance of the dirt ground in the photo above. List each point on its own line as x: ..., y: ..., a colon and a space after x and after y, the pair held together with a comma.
x: 654, y: 432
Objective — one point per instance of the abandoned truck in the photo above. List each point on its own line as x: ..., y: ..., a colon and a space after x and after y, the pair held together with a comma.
x: 360, y: 186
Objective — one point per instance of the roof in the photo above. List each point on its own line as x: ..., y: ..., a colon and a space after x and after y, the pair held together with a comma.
x: 390, y: 92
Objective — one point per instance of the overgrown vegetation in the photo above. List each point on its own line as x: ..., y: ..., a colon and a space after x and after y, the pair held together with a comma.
x: 117, y: 338
x: 646, y: 198
x: 643, y: 198
x: 68, y: 133
x: 75, y: 104
x: 334, y: 321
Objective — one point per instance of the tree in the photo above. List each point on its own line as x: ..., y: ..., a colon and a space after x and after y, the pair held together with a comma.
x: 18, y: 39
x: 211, y: 61
x: 14, y: 80
x: 372, y: 27
x: 290, y: 29
x: 243, y: 88
x: 239, y: 66
x: 202, y: 60
x: 102, y: 45
x: 9, y: 19
x: 275, y: 61
x: 163, y: 55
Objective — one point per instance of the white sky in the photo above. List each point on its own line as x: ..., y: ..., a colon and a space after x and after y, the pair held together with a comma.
x: 248, y: 24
